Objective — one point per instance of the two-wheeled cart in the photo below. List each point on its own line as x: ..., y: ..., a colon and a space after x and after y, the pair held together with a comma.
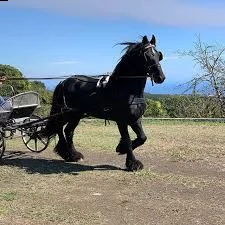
x: 17, y: 115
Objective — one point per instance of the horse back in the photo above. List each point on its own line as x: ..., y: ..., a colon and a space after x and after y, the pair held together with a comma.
x: 79, y: 91
x: 79, y: 85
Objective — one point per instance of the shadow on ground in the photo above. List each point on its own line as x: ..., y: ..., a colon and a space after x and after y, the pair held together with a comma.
x: 47, y: 166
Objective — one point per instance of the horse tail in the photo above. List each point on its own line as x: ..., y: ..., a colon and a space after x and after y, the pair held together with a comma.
x: 55, y: 117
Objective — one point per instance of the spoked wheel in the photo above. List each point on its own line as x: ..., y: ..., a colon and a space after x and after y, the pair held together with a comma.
x: 2, y: 145
x: 31, y: 136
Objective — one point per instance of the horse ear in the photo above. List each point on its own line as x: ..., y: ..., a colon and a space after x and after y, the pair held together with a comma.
x: 145, y: 40
x: 153, y: 40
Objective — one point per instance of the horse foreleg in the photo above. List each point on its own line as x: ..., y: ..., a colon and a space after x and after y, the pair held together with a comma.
x: 75, y: 156
x: 141, y: 137
x: 132, y: 164
x: 140, y: 140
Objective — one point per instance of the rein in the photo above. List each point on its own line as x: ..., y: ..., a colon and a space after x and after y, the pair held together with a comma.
x: 65, y: 77
x: 135, y: 77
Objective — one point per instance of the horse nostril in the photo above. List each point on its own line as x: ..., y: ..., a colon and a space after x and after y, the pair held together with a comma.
x: 162, y: 79
x: 159, y: 79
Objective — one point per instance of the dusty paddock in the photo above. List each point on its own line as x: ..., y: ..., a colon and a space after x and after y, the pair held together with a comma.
x: 183, y: 181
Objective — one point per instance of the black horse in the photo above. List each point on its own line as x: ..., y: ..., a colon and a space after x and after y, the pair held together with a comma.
x: 118, y: 97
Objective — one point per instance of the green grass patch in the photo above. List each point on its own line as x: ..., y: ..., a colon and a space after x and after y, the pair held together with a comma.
x: 8, y: 196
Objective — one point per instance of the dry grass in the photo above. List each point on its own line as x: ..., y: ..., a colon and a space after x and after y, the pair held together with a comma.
x: 183, y: 181
x: 178, y: 140
x: 187, y: 141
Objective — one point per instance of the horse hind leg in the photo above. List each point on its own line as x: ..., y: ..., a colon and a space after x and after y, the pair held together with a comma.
x: 62, y: 148
x: 74, y: 155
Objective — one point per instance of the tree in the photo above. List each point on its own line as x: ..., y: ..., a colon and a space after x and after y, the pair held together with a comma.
x: 154, y: 108
x: 41, y: 89
x: 45, y: 96
x: 10, y: 71
x: 211, y: 78
x: 21, y: 84
x: 178, y: 106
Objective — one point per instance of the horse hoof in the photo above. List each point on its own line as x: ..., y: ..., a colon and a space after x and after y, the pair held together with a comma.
x: 134, y: 165
x: 121, y: 153
x: 74, y: 159
x: 77, y: 157
x: 120, y: 149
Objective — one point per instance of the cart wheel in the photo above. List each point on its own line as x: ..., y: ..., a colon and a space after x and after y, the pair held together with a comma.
x: 31, y: 137
x: 2, y: 145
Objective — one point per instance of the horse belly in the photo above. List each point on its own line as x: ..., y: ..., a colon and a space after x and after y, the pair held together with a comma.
x: 128, y: 114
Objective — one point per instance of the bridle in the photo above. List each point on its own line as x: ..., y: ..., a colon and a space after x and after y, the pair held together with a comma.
x: 146, y: 59
x: 151, y: 77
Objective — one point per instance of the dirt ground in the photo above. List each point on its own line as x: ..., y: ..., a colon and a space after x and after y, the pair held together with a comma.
x: 175, y: 188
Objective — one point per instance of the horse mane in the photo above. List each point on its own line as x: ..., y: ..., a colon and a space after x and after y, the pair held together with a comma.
x: 131, y: 46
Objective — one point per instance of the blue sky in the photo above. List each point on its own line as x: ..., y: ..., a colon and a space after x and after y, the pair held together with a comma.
x: 63, y: 37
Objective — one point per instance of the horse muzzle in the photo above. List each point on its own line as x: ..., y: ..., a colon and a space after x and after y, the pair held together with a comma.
x: 156, y: 74
x: 159, y: 79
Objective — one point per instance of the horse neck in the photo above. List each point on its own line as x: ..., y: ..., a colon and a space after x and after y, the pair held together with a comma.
x: 128, y: 79
x: 129, y: 82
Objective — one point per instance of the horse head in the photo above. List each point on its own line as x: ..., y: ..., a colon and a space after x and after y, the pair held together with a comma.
x: 141, y: 59
x: 152, y: 58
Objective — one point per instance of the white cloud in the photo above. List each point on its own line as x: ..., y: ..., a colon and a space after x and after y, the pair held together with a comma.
x: 164, y: 12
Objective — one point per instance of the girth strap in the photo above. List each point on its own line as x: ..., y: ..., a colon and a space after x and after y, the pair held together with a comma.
x: 136, y: 101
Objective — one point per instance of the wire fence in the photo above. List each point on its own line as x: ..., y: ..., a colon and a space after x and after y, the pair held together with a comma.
x: 222, y: 120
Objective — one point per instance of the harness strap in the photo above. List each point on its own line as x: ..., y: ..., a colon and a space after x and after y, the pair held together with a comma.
x: 102, y: 82
x: 64, y: 100
x: 136, y: 101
